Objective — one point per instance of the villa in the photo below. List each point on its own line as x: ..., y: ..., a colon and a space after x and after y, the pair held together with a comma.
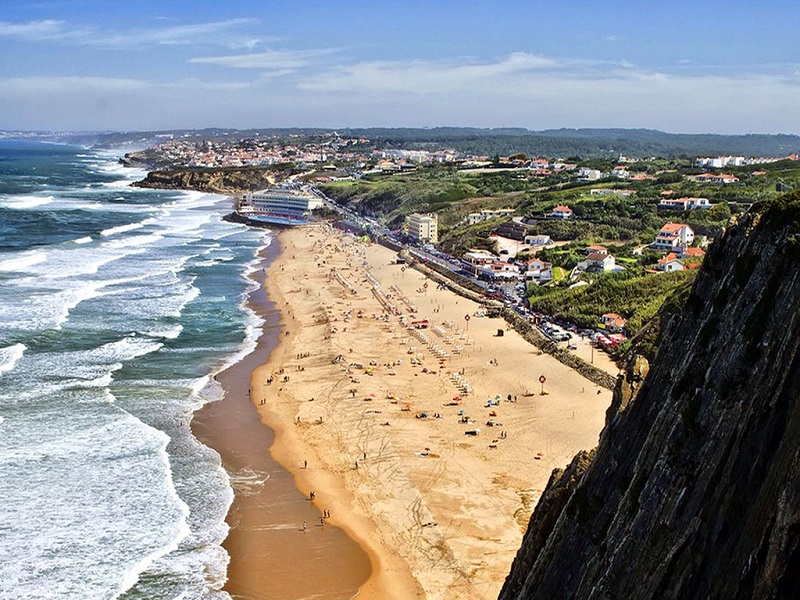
x: 673, y: 236
x: 562, y: 212
x: 684, y: 203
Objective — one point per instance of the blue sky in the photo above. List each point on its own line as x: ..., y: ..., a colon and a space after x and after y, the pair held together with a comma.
x: 679, y: 66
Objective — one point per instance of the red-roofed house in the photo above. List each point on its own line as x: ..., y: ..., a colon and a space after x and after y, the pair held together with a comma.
x: 673, y: 236
x: 716, y: 178
x: 600, y: 262
x: 692, y: 253
x: 595, y: 248
x: 612, y: 322
x: 562, y: 212
x: 540, y: 163
x: 684, y: 203
x: 670, y: 263
x: 538, y: 270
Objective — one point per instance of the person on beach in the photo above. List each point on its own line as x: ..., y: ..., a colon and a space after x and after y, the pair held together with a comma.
x: 304, y: 526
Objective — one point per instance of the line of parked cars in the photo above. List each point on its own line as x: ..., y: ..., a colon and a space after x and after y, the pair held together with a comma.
x: 555, y: 333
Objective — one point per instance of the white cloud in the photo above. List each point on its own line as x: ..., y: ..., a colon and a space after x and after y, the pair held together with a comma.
x: 214, y: 32
x: 248, y: 44
x: 195, y: 33
x: 33, y: 30
x: 425, y: 77
x: 271, y: 59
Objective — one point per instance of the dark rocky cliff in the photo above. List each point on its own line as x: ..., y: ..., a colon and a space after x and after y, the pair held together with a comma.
x: 227, y: 180
x: 694, y: 489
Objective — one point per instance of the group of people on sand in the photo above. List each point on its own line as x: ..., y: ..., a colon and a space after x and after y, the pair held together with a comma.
x: 326, y: 514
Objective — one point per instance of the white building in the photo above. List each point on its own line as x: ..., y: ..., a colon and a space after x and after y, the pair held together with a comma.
x: 538, y: 270
x: 586, y: 174
x: 673, y: 236
x: 670, y: 263
x: 684, y: 203
x: 423, y: 228
x: 488, y: 215
x: 719, y: 162
x: 538, y: 240
x: 562, y: 212
x: 620, y: 172
x: 599, y: 262
x: 479, y: 257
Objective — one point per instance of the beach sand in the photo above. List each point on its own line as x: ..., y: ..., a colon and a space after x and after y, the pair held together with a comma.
x: 440, y: 513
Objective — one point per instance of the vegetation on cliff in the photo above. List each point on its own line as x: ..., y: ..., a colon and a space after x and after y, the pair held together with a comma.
x: 635, y: 297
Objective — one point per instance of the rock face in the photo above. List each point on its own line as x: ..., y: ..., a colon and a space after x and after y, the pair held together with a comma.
x: 219, y: 181
x: 694, y: 490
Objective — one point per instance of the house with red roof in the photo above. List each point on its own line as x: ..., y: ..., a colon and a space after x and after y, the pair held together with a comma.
x: 673, y: 236
x: 670, y: 263
x: 595, y: 248
x: 562, y: 212
x: 600, y: 262
x: 612, y: 322
x: 538, y: 270
x: 692, y: 254
x: 715, y: 178
x: 684, y: 203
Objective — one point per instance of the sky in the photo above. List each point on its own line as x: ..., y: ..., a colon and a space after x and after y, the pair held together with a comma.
x: 682, y: 66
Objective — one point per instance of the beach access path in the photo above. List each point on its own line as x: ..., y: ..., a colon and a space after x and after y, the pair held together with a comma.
x: 428, y: 445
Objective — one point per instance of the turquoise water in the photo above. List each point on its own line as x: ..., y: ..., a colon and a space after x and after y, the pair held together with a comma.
x: 116, y: 306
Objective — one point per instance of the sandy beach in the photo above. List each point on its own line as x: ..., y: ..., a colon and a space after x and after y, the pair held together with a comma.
x: 428, y: 446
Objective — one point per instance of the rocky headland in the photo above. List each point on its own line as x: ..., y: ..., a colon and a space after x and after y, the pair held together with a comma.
x: 227, y: 180
x: 694, y: 489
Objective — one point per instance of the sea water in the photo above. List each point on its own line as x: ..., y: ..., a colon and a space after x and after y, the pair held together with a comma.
x: 117, y: 305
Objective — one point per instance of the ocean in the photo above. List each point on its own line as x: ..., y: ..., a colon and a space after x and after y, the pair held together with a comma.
x: 117, y: 306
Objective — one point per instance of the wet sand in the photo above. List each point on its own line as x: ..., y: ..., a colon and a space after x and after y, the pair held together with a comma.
x: 271, y: 556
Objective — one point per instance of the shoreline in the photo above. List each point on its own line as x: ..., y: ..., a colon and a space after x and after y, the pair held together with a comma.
x: 267, y: 514
x: 439, y: 514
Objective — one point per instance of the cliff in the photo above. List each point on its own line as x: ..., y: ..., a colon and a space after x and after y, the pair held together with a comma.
x: 694, y: 489
x: 224, y: 180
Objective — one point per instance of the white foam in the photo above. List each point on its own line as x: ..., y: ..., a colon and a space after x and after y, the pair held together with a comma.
x: 9, y: 357
x: 83, y: 240
x: 132, y: 576
x: 139, y: 240
x: 24, y: 202
x: 167, y: 332
x: 98, y: 382
x: 23, y: 261
x: 126, y: 348
x: 124, y: 228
